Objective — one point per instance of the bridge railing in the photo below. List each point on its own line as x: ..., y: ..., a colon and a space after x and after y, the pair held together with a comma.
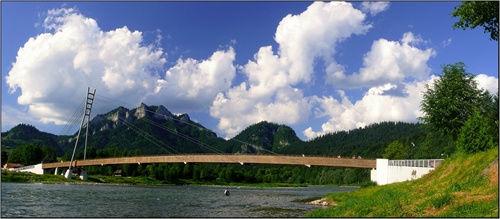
x: 23, y: 168
x: 288, y: 155
x: 429, y: 163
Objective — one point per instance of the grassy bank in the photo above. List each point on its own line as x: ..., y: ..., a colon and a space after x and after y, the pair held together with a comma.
x: 462, y: 186
x: 23, y: 177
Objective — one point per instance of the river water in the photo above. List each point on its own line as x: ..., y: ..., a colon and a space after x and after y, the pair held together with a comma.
x: 76, y: 200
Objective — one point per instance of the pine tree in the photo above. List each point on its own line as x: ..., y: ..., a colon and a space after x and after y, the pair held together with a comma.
x: 475, y: 136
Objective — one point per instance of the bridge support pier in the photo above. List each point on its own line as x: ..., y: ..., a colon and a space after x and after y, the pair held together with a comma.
x: 68, y: 174
x: 83, y: 175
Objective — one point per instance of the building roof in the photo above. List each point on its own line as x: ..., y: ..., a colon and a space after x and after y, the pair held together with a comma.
x: 12, y: 165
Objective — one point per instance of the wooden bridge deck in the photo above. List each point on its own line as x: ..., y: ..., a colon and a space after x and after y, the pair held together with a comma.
x: 224, y: 158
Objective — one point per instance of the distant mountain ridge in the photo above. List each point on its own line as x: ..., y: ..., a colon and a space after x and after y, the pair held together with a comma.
x: 23, y: 134
x: 155, y: 130
x: 263, y: 136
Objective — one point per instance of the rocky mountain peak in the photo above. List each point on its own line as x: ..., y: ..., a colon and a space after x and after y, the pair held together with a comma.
x: 141, y: 111
x: 119, y: 115
x: 185, y: 118
x: 162, y: 113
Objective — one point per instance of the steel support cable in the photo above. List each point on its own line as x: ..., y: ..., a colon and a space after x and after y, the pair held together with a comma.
x: 193, y: 125
x: 209, y: 147
x: 137, y: 130
x: 73, y: 120
x: 113, y: 135
x: 173, y: 131
x: 132, y: 128
x: 147, y: 136
x: 192, y: 139
x: 178, y: 120
x: 258, y: 147
x: 200, y: 127
x: 255, y: 146
x: 187, y: 137
x: 143, y: 134
x: 120, y: 139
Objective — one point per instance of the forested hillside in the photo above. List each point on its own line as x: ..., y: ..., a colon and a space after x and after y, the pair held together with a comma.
x: 367, y: 142
x: 262, y: 138
x: 24, y: 134
x: 154, y: 130
x: 147, y: 130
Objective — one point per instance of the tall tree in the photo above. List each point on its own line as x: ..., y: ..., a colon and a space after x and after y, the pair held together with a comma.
x: 449, y: 102
x: 478, y: 13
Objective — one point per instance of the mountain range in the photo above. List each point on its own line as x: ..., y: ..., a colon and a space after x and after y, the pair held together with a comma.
x: 155, y: 130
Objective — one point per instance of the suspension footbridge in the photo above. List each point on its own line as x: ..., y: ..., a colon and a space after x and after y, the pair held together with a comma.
x: 382, y: 172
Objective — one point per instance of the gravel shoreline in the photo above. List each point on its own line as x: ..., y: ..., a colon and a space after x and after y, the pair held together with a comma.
x: 323, y: 202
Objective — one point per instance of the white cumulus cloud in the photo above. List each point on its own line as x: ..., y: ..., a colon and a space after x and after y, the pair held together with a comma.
x: 379, y: 104
x: 487, y: 82
x: 193, y: 84
x: 376, y: 105
x: 387, y: 62
x: 374, y: 7
x: 271, y: 92
x: 52, y: 70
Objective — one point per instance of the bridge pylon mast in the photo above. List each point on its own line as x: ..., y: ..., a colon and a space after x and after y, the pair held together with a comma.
x: 86, y: 115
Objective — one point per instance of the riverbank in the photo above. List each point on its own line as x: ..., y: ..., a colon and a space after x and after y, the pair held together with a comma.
x: 462, y: 186
x: 24, y: 177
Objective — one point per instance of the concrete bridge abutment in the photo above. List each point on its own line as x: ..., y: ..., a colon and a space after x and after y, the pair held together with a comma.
x: 391, y: 171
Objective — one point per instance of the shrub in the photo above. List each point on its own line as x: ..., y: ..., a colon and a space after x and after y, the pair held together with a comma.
x: 474, y: 136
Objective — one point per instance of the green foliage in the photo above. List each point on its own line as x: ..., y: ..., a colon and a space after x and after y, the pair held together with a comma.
x: 26, y: 155
x: 262, y: 138
x: 478, y: 13
x: 464, y: 185
x: 368, y: 184
x: 27, y: 177
x: 396, y: 151
x: 48, y: 154
x: 5, y: 156
x: 449, y: 102
x: 435, y: 144
x: 442, y: 200
x: 475, y: 135
x: 489, y: 110
x: 24, y: 134
x: 367, y: 142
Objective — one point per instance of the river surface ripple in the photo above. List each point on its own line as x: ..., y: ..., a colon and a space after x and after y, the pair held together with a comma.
x: 77, y: 200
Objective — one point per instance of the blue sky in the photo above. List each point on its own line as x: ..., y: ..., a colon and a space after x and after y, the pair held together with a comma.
x: 317, y: 67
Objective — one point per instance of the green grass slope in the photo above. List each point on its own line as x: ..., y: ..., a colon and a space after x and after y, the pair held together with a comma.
x: 462, y: 186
